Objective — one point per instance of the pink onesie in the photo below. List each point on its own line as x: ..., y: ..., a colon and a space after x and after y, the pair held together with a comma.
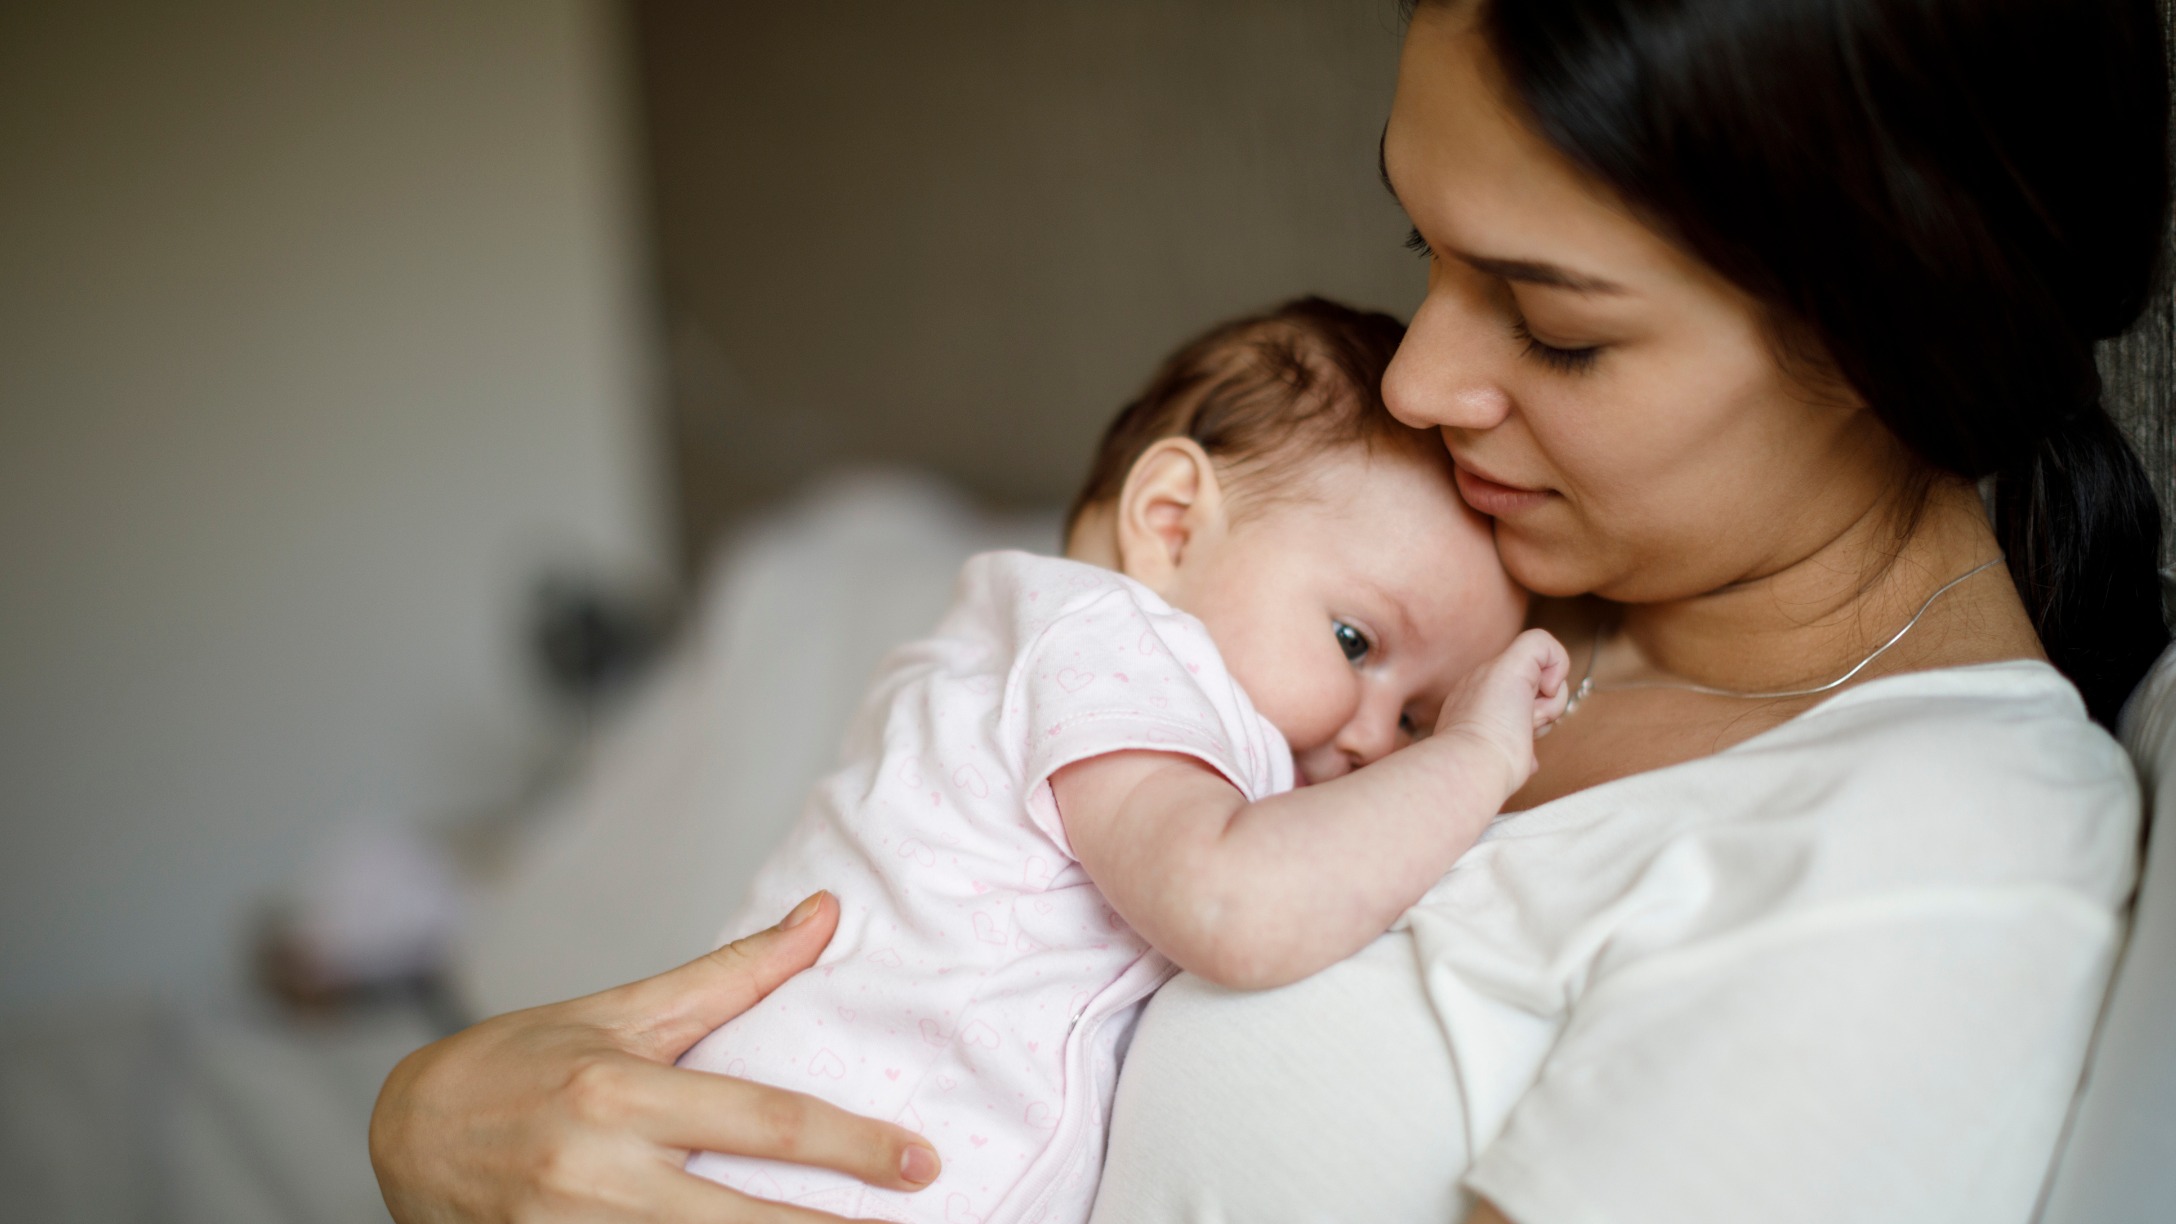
x: 979, y: 990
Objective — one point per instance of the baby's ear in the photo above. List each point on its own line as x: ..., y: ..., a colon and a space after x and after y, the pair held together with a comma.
x: 1170, y: 506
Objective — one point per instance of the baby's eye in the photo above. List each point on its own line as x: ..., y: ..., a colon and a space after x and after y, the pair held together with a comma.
x: 1354, y: 643
x: 1409, y: 726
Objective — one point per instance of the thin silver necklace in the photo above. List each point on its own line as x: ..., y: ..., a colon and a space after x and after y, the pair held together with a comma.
x: 1587, y: 686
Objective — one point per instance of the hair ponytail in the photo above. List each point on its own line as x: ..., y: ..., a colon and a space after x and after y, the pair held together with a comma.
x: 2082, y: 531
x: 1951, y: 199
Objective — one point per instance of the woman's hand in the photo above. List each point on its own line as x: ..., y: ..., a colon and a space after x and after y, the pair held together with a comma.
x: 575, y: 1111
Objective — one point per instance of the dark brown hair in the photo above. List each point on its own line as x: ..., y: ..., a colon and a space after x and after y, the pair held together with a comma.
x: 1261, y: 395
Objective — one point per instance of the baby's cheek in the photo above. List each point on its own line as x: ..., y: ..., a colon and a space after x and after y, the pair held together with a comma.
x: 1309, y: 706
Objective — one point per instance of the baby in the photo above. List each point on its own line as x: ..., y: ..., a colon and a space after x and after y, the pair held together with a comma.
x: 1274, y: 689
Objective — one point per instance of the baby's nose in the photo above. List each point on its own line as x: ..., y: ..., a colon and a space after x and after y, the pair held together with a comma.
x: 1370, y: 736
x: 1324, y: 762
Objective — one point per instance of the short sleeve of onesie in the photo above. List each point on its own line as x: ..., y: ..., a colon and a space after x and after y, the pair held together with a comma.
x: 1117, y: 669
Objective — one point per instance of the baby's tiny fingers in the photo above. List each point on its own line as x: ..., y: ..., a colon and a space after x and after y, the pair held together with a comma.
x: 1555, y: 662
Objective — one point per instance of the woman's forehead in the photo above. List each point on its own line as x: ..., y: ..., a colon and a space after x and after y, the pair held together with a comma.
x: 1479, y: 182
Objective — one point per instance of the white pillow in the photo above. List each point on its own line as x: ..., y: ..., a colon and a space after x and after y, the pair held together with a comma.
x: 636, y: 865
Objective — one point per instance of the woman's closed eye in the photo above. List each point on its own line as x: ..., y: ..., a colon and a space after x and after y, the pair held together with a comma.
x: 1353, y: 642
x: 1563, y: 359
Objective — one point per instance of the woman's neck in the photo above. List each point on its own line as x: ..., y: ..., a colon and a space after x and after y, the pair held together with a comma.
x: 1815, y: 617
x: 1798, y: 627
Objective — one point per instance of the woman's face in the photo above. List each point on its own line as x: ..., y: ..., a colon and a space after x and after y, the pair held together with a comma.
x: 1614, y: 404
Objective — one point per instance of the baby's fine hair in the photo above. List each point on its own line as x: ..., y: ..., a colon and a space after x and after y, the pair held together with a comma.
x: 1263, y: 395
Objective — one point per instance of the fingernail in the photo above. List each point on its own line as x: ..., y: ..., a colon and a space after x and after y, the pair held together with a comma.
x: 918, y: 1165
x: 802, y: 912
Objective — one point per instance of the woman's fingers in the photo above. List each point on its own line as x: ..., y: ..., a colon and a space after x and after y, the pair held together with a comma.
x: 679, y: 1196
x: 569, y: 1111
x: 608, y: 1182
x: 660, y: 1017
x: 715, y: 1113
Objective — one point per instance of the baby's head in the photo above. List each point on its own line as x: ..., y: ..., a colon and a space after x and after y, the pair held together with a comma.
x: 1260, y: 484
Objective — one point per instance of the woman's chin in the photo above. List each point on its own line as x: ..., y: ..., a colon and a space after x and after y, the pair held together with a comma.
x: 1546, y: 565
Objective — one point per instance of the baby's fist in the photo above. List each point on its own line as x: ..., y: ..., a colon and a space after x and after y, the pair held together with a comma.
x: 1507, y: 701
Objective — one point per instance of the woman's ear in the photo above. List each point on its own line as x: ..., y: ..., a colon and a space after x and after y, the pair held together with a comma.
x: 1171, y: 505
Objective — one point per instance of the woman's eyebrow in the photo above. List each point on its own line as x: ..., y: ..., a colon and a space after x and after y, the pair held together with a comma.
x: 1532, y: 272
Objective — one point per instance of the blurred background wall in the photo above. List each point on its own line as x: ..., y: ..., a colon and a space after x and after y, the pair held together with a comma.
x: 323, y: 330
x: 959, y: 233
x: 326, y: 330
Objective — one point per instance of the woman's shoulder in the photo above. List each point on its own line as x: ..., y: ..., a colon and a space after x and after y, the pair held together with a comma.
x: 2003, y: 733
x: 1925, y: 813
x: 1982, y: 777
x: 1987, y: 713
x: 1987, y: 775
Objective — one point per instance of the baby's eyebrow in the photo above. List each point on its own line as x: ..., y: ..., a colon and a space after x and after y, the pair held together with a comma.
x: 1407, y: 626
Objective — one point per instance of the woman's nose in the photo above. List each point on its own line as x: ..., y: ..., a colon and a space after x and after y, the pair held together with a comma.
x: 1444, y: 375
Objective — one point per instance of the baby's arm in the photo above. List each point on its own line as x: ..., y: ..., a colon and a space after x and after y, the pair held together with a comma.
x: 1253, y: 895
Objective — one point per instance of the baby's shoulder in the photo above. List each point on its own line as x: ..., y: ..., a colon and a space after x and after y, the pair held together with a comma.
x: 1037, y: 587
x: 1095, y: 662
x: 1032, y: 604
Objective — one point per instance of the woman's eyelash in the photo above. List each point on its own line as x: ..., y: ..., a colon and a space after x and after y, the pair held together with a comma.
x: 1562, y: 360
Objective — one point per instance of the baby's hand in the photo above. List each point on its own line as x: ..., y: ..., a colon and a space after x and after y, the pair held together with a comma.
x: 1507, y: 701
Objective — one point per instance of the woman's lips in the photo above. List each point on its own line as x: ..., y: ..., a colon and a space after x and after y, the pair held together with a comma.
x: 1494, y: 498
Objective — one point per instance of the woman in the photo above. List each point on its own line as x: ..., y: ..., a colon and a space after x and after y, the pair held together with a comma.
x: 1808, y: 912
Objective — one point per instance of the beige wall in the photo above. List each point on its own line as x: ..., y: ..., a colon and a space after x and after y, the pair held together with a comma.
x: 959, y: 232
x: 317, y: 337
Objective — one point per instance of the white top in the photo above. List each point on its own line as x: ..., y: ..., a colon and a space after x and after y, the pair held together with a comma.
x: 1845, y: 970
x: 979, y: 987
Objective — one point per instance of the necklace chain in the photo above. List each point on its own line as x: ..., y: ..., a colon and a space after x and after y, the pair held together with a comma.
x: 1587, y: 686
